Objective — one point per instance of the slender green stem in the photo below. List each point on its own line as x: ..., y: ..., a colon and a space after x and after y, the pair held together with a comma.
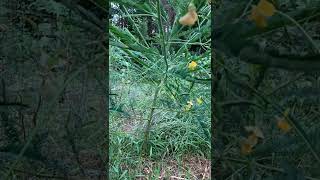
x: 149, y: 123
x: 162, y: 34
x: 136, y: 27
x: 163, y: 80
x: 245, y: 11
x: 285, y: 84
x: 139, y: 15
x: 315, y: 46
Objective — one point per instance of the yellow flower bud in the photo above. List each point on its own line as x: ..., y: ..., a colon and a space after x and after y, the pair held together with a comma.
x: 199, y: 101
x: 247, y: 144
x: 192, y: 65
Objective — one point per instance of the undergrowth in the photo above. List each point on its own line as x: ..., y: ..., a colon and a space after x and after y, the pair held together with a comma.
x: 160, y: 89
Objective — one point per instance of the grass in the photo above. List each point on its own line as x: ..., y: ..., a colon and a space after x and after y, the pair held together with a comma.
x: 159, y: 107
x: 178, y: 146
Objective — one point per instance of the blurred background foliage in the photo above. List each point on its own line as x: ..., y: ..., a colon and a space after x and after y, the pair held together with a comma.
x: 53, y: 89
x: 267, y: 79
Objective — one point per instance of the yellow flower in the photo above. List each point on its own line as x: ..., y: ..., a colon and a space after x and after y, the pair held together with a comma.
x: 248, y: 143
x: 188, y: 106
x: 245, y: 147
x: 260, y: 13
x: 252, y: 139
x: 255, y: 131
x: 283, y: 125
x: 192, y: 65
x: 199, y: 100
x: 191, y: 17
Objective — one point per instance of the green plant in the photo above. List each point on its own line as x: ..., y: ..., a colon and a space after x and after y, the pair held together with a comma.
x: 154, y: 65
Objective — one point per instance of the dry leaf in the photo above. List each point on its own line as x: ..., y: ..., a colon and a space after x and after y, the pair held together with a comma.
x: 191, y: 17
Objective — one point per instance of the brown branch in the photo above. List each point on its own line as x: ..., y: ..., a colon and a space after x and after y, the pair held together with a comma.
x: 301, y: 63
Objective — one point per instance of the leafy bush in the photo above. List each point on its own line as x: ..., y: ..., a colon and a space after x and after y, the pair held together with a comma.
x: 160, y: 82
